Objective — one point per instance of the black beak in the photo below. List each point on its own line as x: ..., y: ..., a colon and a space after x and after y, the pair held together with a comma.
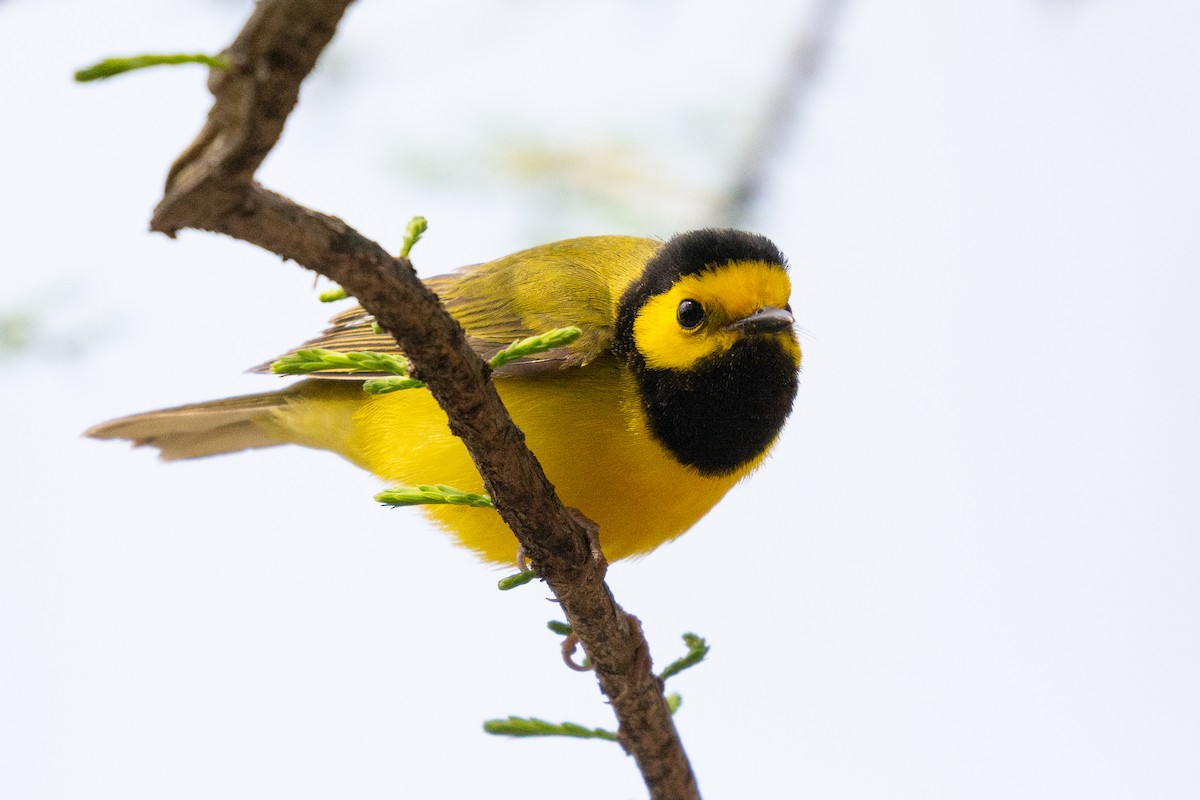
x: 765, y: 320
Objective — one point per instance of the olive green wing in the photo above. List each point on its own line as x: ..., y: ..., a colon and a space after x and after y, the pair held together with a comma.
x: 574, y: 282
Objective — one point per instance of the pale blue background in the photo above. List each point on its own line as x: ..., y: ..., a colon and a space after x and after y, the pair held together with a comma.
x: 969, y: 571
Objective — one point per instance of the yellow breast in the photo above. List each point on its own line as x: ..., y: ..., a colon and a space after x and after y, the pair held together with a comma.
x: 590, y: 435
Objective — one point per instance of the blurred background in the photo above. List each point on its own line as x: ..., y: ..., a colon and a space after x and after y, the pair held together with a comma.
x: 970, y: 570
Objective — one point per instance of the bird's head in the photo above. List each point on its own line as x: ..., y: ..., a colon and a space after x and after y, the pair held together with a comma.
x: 708, y: 332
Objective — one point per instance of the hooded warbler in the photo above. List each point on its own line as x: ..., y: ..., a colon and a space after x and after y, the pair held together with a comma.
x: 678, y: 387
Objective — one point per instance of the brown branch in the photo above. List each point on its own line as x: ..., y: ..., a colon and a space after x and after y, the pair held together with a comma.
x: 211, y: 187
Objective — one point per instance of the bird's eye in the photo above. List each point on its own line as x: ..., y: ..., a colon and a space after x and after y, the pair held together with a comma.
x: 690, y: 314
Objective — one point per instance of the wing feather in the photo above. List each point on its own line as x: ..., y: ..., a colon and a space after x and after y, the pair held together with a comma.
x: 574, y: 282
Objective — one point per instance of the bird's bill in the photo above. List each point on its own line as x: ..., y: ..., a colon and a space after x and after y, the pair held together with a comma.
x: 764, y: 320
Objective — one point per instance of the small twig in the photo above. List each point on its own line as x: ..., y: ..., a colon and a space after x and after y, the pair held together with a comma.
x: 569, y: 646
x: 781, y: 114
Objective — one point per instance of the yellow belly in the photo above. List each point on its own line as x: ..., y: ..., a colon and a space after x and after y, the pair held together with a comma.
x: 586, y: 428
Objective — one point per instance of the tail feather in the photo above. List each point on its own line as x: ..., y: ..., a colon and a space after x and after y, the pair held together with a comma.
x: 202, y: 429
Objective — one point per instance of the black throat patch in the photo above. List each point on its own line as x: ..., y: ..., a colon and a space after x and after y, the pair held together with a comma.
x: 725, y: 411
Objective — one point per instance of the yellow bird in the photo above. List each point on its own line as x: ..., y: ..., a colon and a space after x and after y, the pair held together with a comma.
x: 678, y: 387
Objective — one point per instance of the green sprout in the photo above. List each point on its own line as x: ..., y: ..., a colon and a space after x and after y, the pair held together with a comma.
x: 515, y: 580
x: 432, y: 495
x: 412, y: 234
x: 389, y: 385
x: 532, y: 726
x: 303, y: 362
x: 531, y: 346
x: 115, y: 66
x: 697, y: 650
